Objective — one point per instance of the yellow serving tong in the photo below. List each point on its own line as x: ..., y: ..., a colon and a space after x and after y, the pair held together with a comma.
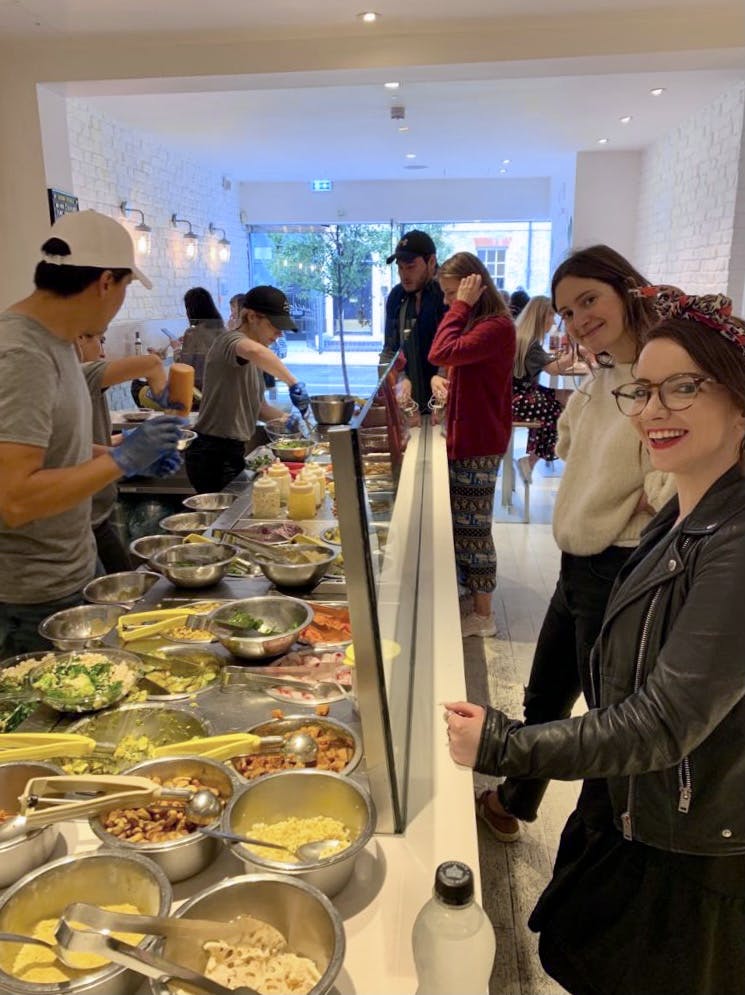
x: 141, y: 625
x: 219, y: 747
x: 45, y: 745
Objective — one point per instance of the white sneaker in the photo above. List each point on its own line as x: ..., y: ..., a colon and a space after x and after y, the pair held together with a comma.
x: 526, y: 470
x: 477, y: 625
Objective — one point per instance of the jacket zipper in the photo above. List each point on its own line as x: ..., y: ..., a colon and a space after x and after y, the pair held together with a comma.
x: 685, y: 783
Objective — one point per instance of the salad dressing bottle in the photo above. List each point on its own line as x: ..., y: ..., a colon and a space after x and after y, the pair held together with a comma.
x: 301, y: 500
x: 265, y: 497
x: 279, y: 471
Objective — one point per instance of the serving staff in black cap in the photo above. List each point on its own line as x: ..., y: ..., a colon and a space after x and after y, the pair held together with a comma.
x: 413, y: 311
x: 233, y: 390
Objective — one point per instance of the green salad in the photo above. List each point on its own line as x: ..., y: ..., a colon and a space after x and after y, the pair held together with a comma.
x: 85, y: 680
x: 247, y: 621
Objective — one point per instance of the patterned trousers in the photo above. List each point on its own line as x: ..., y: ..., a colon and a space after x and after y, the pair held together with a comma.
x: 472, y: 486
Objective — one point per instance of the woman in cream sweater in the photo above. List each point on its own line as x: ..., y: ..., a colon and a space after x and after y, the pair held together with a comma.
x: 607, y: 495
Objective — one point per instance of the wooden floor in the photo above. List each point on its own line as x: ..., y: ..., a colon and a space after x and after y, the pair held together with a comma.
x: 513, y: 875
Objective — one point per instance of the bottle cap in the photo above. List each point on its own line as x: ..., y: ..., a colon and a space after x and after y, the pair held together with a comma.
x: 454, y: 883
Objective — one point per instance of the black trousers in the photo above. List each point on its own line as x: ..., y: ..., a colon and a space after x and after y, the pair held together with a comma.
x: 112, y: 552
x: 212, y: 462
x: 561, y: 665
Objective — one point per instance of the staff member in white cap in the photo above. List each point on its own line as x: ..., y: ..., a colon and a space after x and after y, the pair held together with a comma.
x: 49, y: 467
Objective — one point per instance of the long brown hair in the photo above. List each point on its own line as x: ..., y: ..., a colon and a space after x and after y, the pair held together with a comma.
x: 491, y: 303
x: 530, y: 327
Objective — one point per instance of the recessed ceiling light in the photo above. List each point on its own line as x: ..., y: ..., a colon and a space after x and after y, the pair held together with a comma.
x: 404, y: 127
x: 368, y: 16
x: 505, y: 162
x: 626, y: 119
x: 502, y: 170
x: 416, y: 165
x: 658, y: 91
x: 411, y: 155
x: 602, y: 141
x: 393, y: 85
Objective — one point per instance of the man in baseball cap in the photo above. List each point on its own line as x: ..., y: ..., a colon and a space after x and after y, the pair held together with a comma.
x: 413, y: 311
x: 273, y: 304
x: 49, y: 468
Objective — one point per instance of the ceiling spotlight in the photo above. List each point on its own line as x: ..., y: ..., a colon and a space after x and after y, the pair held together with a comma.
x: 602, y: 141
x: 411, y: 155
x: 404, y: 127
x: 658, y: 91
x: 503, y: 170
x: 393, y: 85
x: 505, y: 162
x: 368, y: 16
x: 626, y: 119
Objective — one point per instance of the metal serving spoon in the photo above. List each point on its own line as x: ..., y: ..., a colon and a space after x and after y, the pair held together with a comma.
x: 308, y: 853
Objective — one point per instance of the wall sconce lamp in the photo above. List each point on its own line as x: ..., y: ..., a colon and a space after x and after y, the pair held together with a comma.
x: 222, y: 248
x: 142, y: 232
x: 191, y: 240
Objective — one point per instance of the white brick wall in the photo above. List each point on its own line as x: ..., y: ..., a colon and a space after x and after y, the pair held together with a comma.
x: 111, y: 163
x: 688, y: 222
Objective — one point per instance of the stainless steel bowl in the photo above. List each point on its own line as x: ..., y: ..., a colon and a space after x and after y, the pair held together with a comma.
x: 216, y: 501
x: 125, y: 588
x: 276, y: 428
x: 19, y: 856
x: 160, y: 724
x: 185, y: 439
x: 102, y: 878
x: 80, y: 702
x: 81, y: 627
x: 304, y: 794
x: 291, y: 723
x: 184, y: 857
x: 146, y: 547
x: 288, y: 615
x: 202, y: 656
x: 308, y: 921
x: 189, y: 521
x: 292, y: 450
x: 195, y: 564
x: 297, y: 574
x: 332, y: 409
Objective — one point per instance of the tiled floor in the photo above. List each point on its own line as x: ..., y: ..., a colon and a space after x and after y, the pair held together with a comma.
x: 513, y: 875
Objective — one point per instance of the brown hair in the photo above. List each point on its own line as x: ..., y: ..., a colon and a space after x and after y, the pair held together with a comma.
x: 490, y: 303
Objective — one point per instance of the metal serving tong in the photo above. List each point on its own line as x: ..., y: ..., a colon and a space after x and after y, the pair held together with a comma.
x: 96, y: 940
x: 44, y: 800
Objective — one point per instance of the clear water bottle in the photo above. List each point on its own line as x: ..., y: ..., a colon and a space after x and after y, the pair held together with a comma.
x: 453, y: 939
x: 138, y: 343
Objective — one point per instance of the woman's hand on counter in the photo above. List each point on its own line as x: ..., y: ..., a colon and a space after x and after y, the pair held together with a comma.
x: 465, y: 722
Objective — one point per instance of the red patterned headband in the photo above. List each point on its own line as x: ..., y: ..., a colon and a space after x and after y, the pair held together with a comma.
x: 713, y: 310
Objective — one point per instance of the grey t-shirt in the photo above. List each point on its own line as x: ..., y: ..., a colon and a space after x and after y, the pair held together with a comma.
x: 535, y: 359
x: 232, y: 393
x: 44, y: 402
x: 105, y: 499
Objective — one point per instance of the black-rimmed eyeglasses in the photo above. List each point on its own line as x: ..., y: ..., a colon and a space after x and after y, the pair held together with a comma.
x: 676, y: 393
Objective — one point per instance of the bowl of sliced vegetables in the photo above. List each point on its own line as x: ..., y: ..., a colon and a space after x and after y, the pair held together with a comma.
x: 84, y: 680
x: 261, y: 627
x: 292, y: 450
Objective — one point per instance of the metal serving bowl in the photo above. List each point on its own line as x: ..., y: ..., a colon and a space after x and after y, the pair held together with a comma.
x: 120, y: 589
x: 276, y: 428
x: 81, y: 627
x: 189, y: 521
x: 202, y: 656
x: 303, y: 794
x: 216, y: 501
x: 102, y: 878
x: 292, y: 450
x: 289, y: 615
x: 296, y: 574
x: 188, y: 855
x: 308, y: 921
x: 21, y: 855
x: 146, y: 547
x: 291, y: 723
x: 91, y: 702
x: 195, y: 564
x: 332, y: 409
x: 159, y: 723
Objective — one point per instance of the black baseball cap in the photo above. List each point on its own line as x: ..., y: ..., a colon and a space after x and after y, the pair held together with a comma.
x: 414, y: 243
x: 271, y: 302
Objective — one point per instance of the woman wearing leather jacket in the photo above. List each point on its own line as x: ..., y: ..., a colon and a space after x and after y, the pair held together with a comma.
x: 648, y: 891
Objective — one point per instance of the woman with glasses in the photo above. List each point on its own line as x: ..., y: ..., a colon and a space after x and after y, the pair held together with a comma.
x: 648, y: 892
x: 608, y: 493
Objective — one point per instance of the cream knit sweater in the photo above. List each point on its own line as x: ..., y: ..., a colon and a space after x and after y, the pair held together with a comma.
x: 607, y: 468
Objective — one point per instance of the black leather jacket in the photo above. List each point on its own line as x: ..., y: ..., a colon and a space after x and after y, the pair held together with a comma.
x: 668, y: 672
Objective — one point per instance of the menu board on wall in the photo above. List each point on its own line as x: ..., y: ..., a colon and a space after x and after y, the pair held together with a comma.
x: 60, y: 203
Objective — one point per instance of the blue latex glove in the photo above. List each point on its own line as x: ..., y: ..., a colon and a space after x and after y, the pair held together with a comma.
x: 162, y: 399
x: 299, y: 397
x: 165, y: 466
x: 146, y: 444
x: 293, y: 423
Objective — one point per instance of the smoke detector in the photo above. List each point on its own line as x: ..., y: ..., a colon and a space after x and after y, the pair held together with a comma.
x: 398, y: 113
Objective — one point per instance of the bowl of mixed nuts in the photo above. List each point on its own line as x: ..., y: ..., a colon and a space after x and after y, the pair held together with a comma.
x: 161, y: 830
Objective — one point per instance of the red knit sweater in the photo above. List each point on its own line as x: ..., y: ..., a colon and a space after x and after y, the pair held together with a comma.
x: 479, y: 411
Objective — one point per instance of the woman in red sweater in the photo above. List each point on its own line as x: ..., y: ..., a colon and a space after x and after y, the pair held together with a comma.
x: 476, y: 342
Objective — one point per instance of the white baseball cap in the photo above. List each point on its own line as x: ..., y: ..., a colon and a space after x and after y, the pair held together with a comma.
x: 95, y: 240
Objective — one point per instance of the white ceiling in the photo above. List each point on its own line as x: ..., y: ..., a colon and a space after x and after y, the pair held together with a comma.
x: 463, y: 119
